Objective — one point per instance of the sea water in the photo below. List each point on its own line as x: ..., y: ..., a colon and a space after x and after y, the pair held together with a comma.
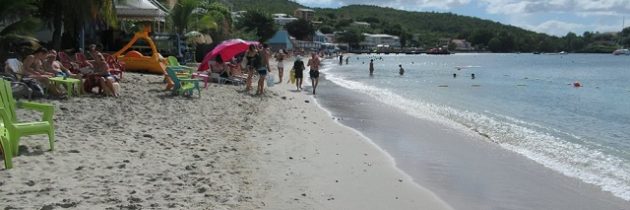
x: 525, y: 103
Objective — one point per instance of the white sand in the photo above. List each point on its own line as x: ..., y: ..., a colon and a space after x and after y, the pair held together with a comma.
x: 312, y: 162
x: 226, y: 150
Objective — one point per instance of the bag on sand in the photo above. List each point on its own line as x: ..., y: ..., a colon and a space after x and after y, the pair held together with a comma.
x: 270, y: 80
x: 292, y: 76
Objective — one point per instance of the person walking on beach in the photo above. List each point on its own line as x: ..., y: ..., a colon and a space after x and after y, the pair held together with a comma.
x: 251, y: 56
x: 261, y: 63
x: 401, y: 71
x: 314, y: 72
x: 279, y: 59
x: 371, y: 67
x: 298, y: 67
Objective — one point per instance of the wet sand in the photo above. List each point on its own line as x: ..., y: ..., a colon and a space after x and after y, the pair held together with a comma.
x: 463, y: 168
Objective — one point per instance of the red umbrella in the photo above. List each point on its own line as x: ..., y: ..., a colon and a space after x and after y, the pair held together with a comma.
x: 227, y: 49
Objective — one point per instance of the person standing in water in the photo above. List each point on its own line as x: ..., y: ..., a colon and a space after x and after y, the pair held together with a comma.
x: 371, y: 67
x: 401, y: 71
x: 314, y: 73
x: 347, y: 58
x: 341, y: 59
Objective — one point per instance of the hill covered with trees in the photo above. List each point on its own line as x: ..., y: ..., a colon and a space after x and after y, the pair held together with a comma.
x: 426, y: 29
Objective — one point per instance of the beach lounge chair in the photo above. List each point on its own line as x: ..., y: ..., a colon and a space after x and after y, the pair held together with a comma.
x: 115, y: 67
x: 15, y: 129
x: 67, y: 62
x: 5, y: 148
x: 181, y: 85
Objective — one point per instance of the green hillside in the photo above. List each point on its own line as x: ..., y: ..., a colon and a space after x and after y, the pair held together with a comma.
x: 425, y: 29
x: 269, y: 6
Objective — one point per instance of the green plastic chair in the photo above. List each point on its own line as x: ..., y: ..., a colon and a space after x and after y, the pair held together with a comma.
x: 15, y: 129
x: 174, y: 63
x: 5, y: 147
x: 183, y: 85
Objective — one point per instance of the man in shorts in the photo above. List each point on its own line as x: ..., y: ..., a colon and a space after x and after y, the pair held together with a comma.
x: 314, y: 72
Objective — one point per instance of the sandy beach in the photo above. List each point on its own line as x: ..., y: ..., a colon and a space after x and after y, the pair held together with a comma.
x: 225, y: 150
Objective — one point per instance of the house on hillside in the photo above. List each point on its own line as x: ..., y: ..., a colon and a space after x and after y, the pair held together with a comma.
x: 462, y: 45
x: 282, y: 19
x: 373, y: 41
x: 306, y: 14
x: 360, y: 24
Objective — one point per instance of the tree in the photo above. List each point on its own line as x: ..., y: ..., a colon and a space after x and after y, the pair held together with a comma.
x: 405, y: 39
x: 259, y: 22
x: 71, y: 16
x: 352, y: 36
x: 300, y: 29
x: 223, y: 18
x: 326, y: 29
x: 17, y: 16
x: 481, y: 37
x: 181, y: 14
x: 571, y: 40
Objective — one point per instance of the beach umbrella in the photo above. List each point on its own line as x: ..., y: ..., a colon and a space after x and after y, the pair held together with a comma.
x: 227, y: 49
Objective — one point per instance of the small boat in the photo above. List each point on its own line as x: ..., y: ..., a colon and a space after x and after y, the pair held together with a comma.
x: 621, y: 52
x: 438, y: 51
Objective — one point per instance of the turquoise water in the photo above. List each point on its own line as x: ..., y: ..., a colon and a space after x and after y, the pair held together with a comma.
x: 525, y: 103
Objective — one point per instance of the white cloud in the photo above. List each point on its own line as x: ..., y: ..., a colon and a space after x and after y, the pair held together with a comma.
x: 403, y: 4
x: 558, y: 28
x: 580, y: 7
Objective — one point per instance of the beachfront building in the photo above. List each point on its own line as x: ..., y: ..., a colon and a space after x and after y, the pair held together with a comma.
x: 373, y: 41
x: 320, y: 37
x: 306, y: 14
x: 280, y: 40
x: 282, y: 19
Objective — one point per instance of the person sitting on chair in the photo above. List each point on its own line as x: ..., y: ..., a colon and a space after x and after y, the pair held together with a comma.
x: 106, y: 80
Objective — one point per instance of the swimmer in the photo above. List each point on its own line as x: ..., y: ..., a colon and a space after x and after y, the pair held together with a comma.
x: 401, y: 71
x: 472, y: 76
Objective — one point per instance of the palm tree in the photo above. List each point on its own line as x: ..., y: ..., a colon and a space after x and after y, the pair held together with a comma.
x: 18, y: 16
x: 181, y: 14
x: 16, y: 24
x: 72, y: 15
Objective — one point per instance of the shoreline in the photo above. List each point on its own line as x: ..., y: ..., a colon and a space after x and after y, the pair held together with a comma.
x: 444, y: 156
x: 327, y: 165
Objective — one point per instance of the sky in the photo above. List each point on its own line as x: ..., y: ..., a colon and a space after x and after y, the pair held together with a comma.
x: 555, y: 17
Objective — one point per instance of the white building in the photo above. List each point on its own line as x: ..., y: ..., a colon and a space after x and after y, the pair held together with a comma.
x: 282, y: 19
x: 380, y: 41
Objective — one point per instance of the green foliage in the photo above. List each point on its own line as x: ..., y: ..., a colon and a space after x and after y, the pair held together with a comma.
x: 300, y: 29
x: 181, y: 14
x: 269, y: 6
x: 326, y: 29
x: 17, y: 16
x: 353, y: 36
x: 257, y: 21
